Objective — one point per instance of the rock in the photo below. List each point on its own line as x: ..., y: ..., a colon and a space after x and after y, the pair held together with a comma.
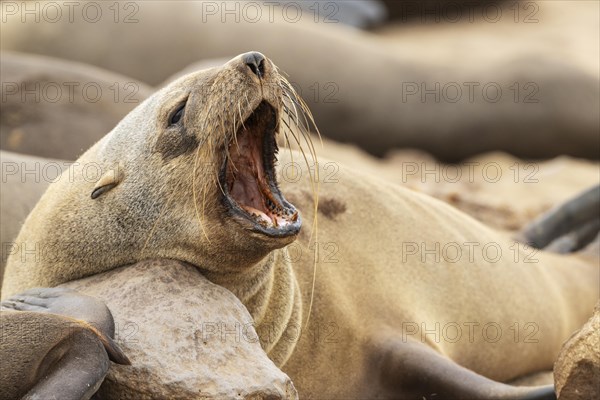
x: 577, y: 369
x: 186, y: 337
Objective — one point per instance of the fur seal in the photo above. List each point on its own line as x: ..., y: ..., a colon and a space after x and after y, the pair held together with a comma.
x: 522, y: 96
x: 24, y: 180
x: 411, y: 297
x: 59, y: 343
x: 45, y: 99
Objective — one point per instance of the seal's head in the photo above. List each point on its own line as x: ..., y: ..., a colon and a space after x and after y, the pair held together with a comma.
x: 188, y: 175
x: 228, y: 118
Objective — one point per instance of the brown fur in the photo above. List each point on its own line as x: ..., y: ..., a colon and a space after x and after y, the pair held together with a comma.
x: 56, y: 343
x: 367, y: 288
x: 33, y: 354
x: 332, y: 207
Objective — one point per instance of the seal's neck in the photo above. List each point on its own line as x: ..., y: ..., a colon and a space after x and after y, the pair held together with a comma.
x: 270, y: 292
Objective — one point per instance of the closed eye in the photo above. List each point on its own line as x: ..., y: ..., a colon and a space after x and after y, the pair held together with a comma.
x: 177, y: 115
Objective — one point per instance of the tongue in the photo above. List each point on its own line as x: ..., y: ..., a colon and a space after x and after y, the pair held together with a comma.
x: 245, y: 189
x: 249, y: 185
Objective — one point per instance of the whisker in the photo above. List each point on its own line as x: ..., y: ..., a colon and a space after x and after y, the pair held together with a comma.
x: 292, y: 96
x: 194, y: 193
x: 234, y: 133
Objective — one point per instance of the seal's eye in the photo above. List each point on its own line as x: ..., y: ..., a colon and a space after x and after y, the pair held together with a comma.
x: 177, y: 115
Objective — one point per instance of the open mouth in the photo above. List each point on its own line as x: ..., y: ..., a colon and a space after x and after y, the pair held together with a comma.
x: 248, y: 177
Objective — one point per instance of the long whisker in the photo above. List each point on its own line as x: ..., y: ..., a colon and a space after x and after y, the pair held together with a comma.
x: 292, y: 96
x: 290, y: 118
x: 194, y: 192
x: 289, y: 146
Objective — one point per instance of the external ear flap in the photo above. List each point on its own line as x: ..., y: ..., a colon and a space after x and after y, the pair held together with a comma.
x: 108, y: 181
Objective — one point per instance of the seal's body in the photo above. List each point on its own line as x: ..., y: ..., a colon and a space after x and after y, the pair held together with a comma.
x: 408, y: 292
x: 397, y: 268
x: 20, y: 193
x: 47, y: 99
x: 474, y: 76
x: 56, y: 344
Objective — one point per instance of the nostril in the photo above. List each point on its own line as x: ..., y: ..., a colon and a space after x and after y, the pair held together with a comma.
x: 256, y: 62
x: 258, y: 70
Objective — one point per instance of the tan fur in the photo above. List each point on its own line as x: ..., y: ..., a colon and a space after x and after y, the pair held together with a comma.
x: 366, y: 292
x: 45, y: 99
x: 166, y: 204
x: 24, y: 181
x: 138, y: 158
x: 337, y: 68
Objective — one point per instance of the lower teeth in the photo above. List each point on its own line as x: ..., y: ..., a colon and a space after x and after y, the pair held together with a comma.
x: 278, y: 218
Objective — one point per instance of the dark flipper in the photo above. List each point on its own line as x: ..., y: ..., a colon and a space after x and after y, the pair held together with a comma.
x: 75, y: 369
x: 67, y: 302
x: 413, y: 370
x: 86, y: 310
x: 68, y: 357
x: 114, y: 352
x: 576, y: 215
x: 576, y: 239
x: 359, y: 13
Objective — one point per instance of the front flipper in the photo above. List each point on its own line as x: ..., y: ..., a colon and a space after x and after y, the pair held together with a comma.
x: 67, y: 302
x: 576, y: 239
x: 411, y: 370
x: 73, y: 370
x: 87, y: 310
x: 57, y: 345
x: 576, y: 221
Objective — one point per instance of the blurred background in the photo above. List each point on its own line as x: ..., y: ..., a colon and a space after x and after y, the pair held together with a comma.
x: 492, y: 106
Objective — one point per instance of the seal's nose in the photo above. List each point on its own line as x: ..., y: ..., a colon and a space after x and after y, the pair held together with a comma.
x: 256, y: 62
